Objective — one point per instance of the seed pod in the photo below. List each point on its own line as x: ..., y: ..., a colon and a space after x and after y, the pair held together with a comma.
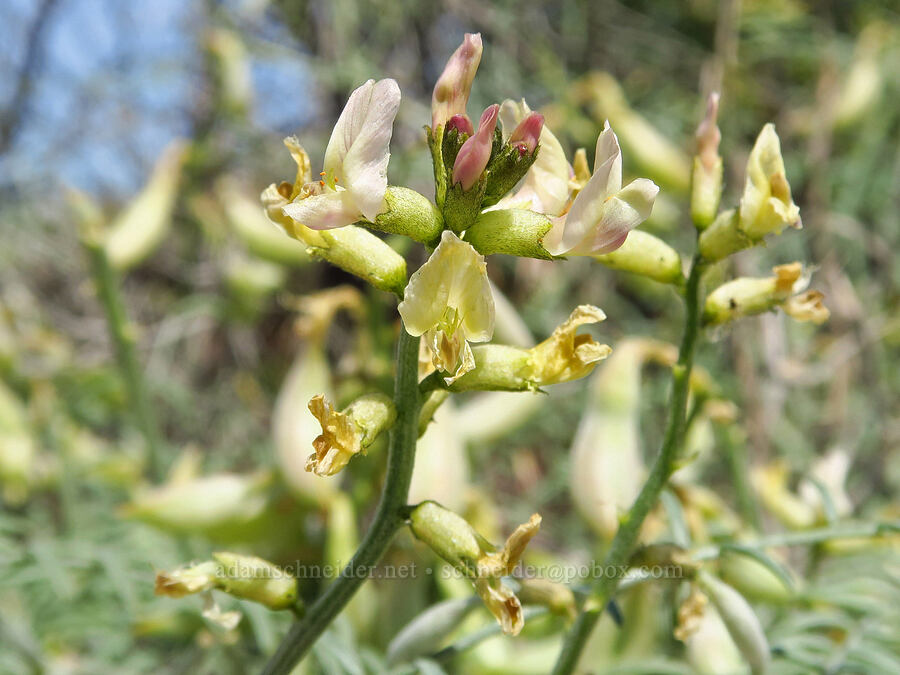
x: 739, y: 618
x: 213, y: 505
x: 428, y: 630
x: 753, y: 579
x: 606, y: 467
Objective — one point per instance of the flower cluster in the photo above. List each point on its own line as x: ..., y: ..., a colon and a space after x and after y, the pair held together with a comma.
x: 505, y: 185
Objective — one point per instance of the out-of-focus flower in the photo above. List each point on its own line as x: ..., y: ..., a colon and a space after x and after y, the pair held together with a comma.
x: 604, y: 212
x: 753, y: 579
x: 142, y: 226
x: 345, y: 434
x: 706, y: 179
x: 354, y: 181
x: 607, y: 466
x: 831, y: 473
x: 746, y: 296
x: 214, y: 503
x: 18, y: 450
x: 771, y: 484
x: 241, y: 576
x: 448, y: 300
x: 451, y: 92
x: 186, y: 580
x: 766, y: 205
x: 255, y: 579
x: 454, y: 540
x: 653, y: 151
x: 473, y: 156
x: 708, y: 645
x: 441, y: 472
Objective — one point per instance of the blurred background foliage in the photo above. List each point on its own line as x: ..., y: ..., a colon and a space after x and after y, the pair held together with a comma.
x: 95, y: 92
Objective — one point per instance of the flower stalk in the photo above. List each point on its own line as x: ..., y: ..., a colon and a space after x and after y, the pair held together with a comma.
x: 624, y: 541
x: 124, y: 337
x: 389, y: 516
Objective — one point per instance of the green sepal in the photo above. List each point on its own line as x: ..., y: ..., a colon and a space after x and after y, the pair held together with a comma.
x: 518, y: 232
x: 507, y: 167
x: 462, y: 207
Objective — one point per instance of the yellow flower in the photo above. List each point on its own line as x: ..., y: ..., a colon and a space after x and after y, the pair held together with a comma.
x: 746, y: 296
x: 448, y: 300
x: 568, y: 355
x: 345, y: 434
x: 454, y: 540
x: 807, y: 306
x: 186, y: 581
x: 766, y: 205
x: 564, y: 356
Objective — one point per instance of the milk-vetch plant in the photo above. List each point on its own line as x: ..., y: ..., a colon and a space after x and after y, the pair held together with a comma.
x: 505, y: 186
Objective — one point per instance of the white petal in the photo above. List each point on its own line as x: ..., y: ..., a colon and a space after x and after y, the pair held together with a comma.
x: 619, y: 215
x: 358, y: 151
x: 325, y: 211
x: 511, y: 113
x: 588, y: 207
x: 608, y: 160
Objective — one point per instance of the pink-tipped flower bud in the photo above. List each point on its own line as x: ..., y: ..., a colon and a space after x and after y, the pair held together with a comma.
x: 462, y: 124
x: 451, y: 93
x: 476, y: 151
x: 708, y: 134
x: 526, y: 135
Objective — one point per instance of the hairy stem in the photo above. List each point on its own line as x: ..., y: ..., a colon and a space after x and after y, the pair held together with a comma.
x: 389, y: 517
x: 123, y: 334
x: 623, y: 543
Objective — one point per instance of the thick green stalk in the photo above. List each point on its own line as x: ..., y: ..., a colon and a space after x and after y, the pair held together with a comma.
x: 122, y: 332
x: 389, y: 516
x: 623, y: 543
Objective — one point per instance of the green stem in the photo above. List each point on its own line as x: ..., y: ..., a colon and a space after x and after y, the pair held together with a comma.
x: 623, y: 543
x: 389, y: 517
x: 123, y: 334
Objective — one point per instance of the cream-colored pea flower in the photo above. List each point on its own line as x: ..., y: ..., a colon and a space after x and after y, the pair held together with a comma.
x: 567, y: 354
x: 499, y: 599
x: 448, y: 301
x: 347, y: 433
x: 454, y: 540
x: 186, y: 580
x: 564, y: 356
x: 746, y: 296
x: 766, y: 205
x: 807, y: 306
x: 354, y: 180
x: 603, y: 212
